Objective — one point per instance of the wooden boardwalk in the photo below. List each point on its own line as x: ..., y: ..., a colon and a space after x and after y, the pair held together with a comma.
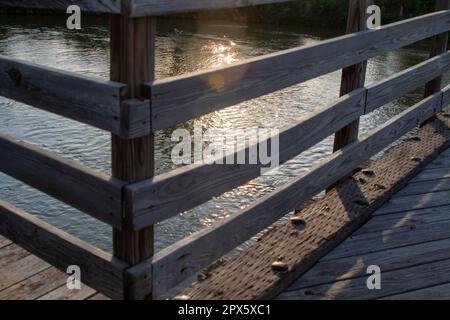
x: 132, y: 106
x: 24, y: 276
x: 408, y: 238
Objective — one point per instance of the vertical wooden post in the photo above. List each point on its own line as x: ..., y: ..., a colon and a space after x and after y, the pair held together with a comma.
x: 133, y: 62
x: 439, y: 46
x: 353, y: 77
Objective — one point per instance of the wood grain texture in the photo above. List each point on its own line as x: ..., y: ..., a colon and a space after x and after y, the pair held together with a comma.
x: 393, y: 282
x: 418, y: 188
x: 11, y: 254
x: 169, y: 194
x: 427, y: 200
x: 99, y: 269
x: 328, y: 221
x: 433, y: 174
x: 94, y: 102
x: 33, y: 287
x: 178, y: 99
x: 181, y: 260
x: 135, y: 119
x: 405, y: 220
x: 329, y: 272
x: 353, y: 77
x: 373, y: 242
x: 446, y: 97
x: 103, y: 6
x: 439, y: 292
x: 439, y: 45
x: 385, y: 91
x: 138, y: 8
x: 4, y: 242
x: 62, y: 293
x: 85, y: 189
x: 133, y: 62
x: 21, y: 269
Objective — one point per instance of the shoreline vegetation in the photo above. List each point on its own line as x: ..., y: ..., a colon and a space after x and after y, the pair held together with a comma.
x: 308, y: 13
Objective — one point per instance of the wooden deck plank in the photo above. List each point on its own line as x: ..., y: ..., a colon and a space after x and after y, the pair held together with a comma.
x: 24, y: 276
x: 250, y: 271
x: 11, y: 253
x: 21, y: 270
x: 440, y: 292
x: 442, y: 162
x: 405, y: 220
x: 63, y: 293
x: 33, y: 287
x: 326, y: 272
x: 433, y: 174
x: 99, y: 296
x: 4, y: 242
x: 410, y: 246
x: 427, y: 200
x: 393, y: 282
x: 420, y: 188
x: 395, y: 238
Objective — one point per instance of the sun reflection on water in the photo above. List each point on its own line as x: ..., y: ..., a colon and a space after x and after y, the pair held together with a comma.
x: 220, y: 53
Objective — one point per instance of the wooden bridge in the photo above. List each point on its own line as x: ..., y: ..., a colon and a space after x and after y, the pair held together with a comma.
x: 407, y: 236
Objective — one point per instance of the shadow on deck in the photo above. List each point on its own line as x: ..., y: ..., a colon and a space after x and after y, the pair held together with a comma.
x: 408, y: 239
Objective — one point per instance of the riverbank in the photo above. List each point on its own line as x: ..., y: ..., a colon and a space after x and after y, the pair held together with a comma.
x: 306, y: 13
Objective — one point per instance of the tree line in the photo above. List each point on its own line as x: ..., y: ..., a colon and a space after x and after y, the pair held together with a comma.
x: 317, y: 13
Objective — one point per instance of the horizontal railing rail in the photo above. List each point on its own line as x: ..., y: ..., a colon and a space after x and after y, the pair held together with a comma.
x: 81, y: 187
x: 136, y: 8
x: 178, y: 262
x: 101, y: 6
x: 102, y: 104
x: 178, y: 99
x: 99, y: 269
x: 169, y: 194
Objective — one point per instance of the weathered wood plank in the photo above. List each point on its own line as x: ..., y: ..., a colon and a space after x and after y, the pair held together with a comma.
x: 446, y: 97
x: 427, y: 200
x: 135, y: 119
x: 11, y: 254
x: 169, y: 194
x: 140, y: 8
x: 133, y: 62
x: 33, y: 287
x: 328, y: 221
x: 63, y: 293
x: 91, y: 101
x: 433, y: 174
x: 442, y: 162
x: 99, y: 269
x: 4, y: 242
x: 103, y: 6
x: 379, y: 241
x: 405, y: 220
x: 83, y: 188
x: 393, y: 282
x: 20, y: 270
x: 328, y: 272
x: 353, y: 77
x: 99, y: 296
x: 181, y: 260
x: 178, y: 99
x: 440, y: 292
x: 439, y: 45
x: 385, y: 91
x: 420, y: 188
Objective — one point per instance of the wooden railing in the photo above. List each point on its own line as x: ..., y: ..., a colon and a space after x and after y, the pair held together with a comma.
x: 132, y: 112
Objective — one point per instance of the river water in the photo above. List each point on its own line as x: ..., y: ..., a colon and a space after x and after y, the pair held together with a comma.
x: 182, y: 46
